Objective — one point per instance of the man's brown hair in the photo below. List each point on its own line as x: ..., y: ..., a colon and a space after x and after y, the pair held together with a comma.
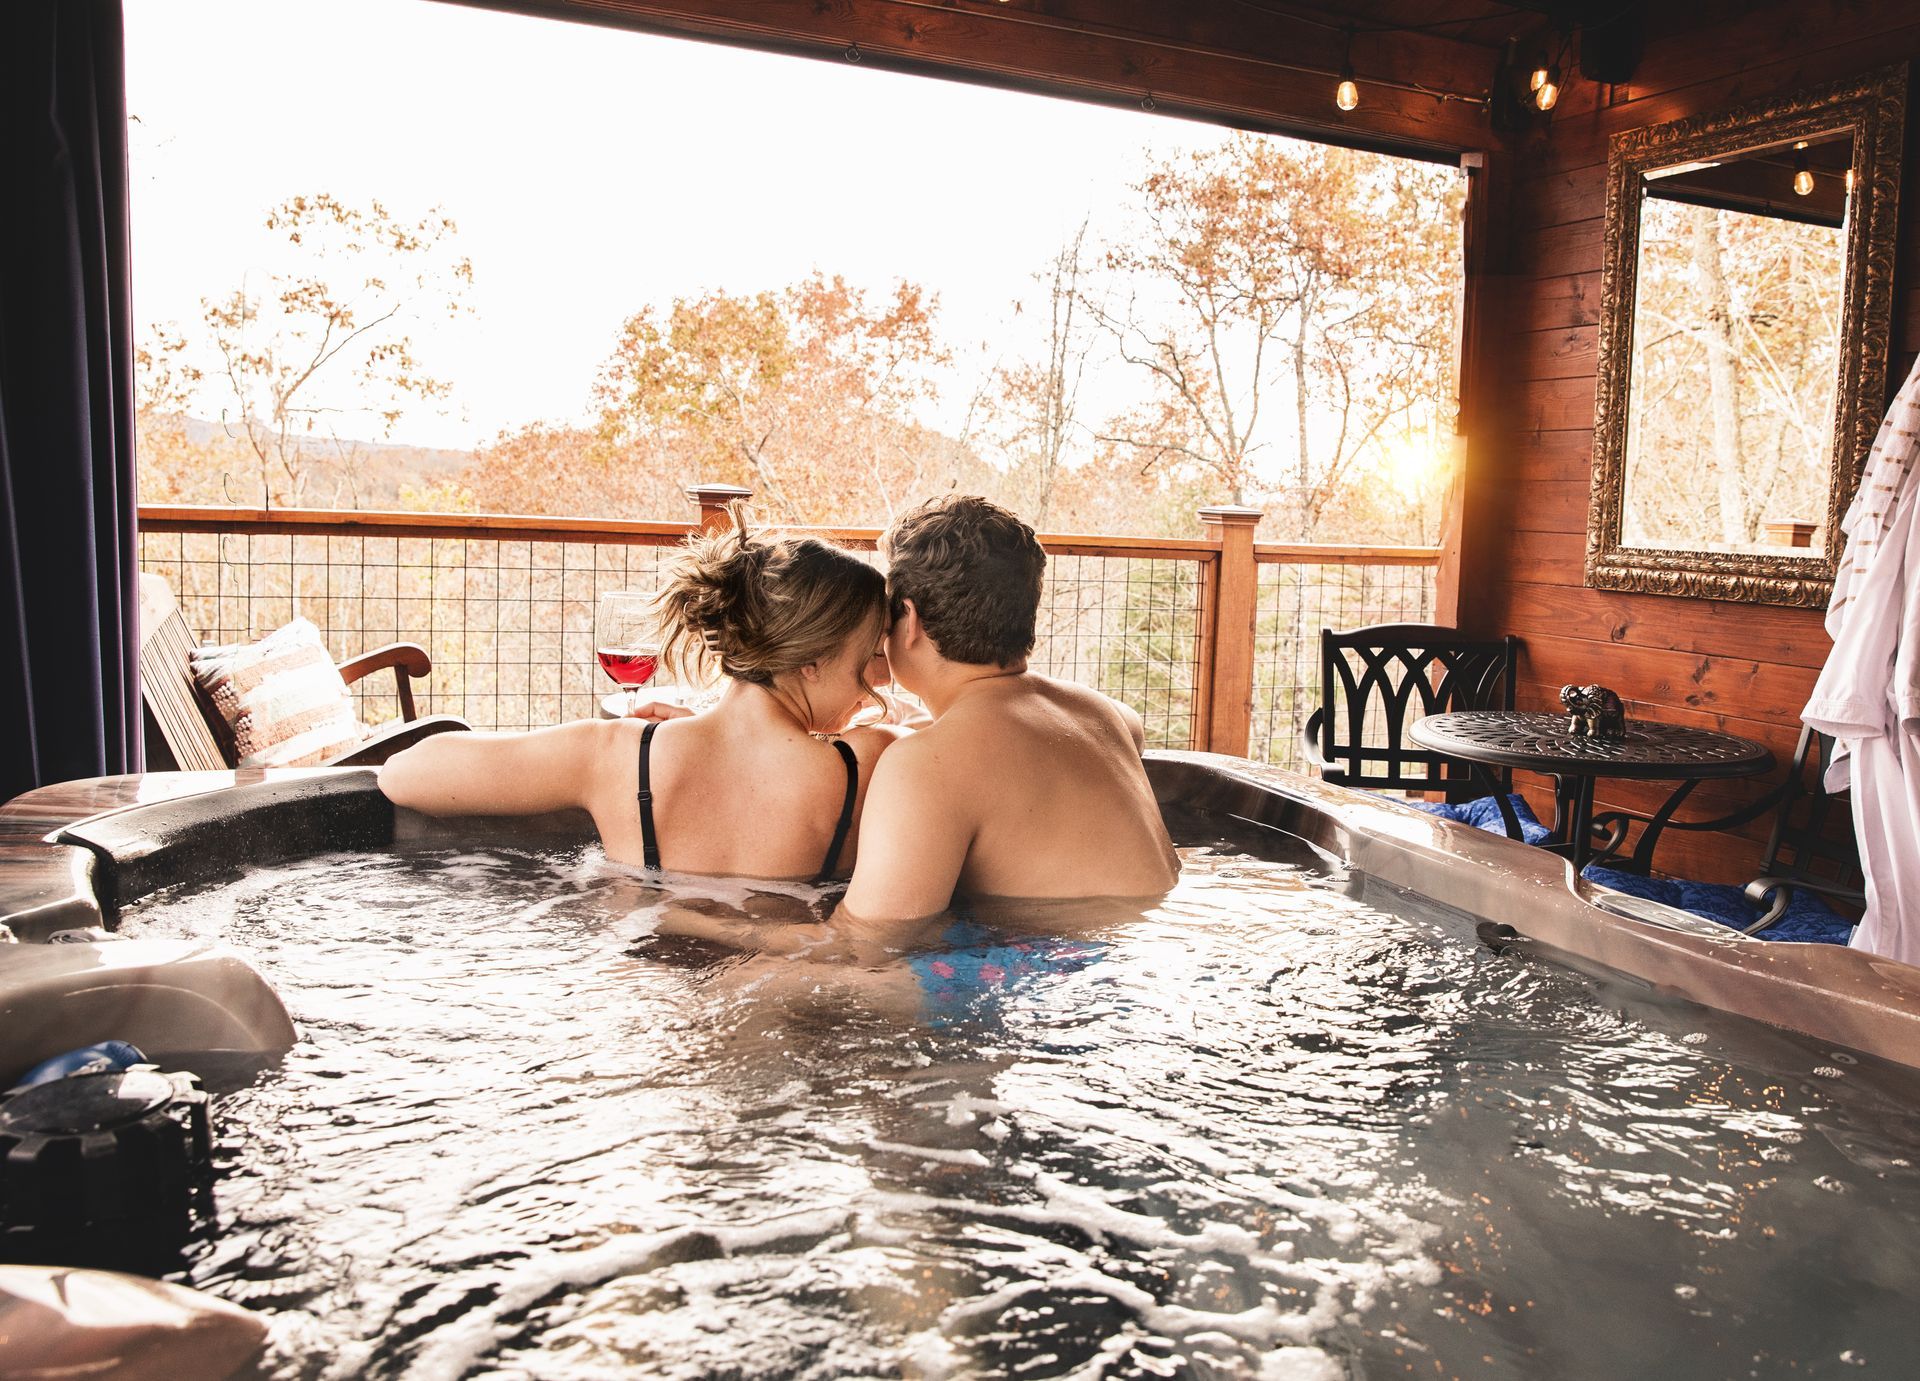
x: 973, y: 570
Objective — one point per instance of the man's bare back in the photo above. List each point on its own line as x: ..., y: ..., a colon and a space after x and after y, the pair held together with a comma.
x: 1023, y: 787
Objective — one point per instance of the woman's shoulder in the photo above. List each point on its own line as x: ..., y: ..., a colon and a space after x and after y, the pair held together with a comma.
x: 871, y: 740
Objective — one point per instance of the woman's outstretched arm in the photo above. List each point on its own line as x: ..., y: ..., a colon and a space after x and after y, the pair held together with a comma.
x: 507, y: 774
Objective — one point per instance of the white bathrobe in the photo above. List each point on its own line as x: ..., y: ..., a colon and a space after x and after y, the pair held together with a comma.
x: 1868, y: 694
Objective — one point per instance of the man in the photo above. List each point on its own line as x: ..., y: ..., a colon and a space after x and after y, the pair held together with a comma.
x: 1022, y: 786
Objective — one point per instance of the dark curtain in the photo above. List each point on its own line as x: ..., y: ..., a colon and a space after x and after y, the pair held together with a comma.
x: 69, y: 694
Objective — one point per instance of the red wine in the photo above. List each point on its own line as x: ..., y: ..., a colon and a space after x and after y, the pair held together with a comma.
x: 627, y: 666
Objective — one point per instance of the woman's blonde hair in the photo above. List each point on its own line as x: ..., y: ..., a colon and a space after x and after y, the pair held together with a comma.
x: 754, y: 605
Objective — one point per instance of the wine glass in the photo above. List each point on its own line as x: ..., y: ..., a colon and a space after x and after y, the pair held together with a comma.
x: 624, y: 640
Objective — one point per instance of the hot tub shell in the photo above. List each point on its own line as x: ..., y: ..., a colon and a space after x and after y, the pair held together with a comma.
x: 72, y: 855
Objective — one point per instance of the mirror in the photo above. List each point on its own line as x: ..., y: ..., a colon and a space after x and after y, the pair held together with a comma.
x: 1746, y: 301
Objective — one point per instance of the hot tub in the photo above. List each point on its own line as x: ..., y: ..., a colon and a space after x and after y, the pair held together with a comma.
x: 1301, y: 1120
x: 76, y: 853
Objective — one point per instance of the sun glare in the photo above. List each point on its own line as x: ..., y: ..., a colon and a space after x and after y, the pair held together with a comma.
x: 1414, y: 464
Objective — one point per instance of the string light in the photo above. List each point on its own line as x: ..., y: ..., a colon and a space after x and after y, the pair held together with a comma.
x: 1539, y: 77
x: 1547, y: 94
x: 1802, y: 175
x: 1346, y: 95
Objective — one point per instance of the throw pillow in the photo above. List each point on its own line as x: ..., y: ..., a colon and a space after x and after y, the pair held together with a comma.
x: 282, y: 698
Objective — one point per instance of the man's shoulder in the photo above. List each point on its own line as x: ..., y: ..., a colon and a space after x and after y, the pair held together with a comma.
x: 926, y: 747
x: 1073, y: 692
x: 1083, y: 702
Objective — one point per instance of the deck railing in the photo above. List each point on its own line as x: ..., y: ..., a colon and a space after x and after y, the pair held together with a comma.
x: 1213, y: 639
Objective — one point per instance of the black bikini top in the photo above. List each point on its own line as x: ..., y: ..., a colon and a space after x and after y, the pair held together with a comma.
x: 650, y: 846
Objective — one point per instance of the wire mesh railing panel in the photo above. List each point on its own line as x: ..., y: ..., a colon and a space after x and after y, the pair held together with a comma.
x: 508, y: 624
x: 508, y: 621
x: 1295, y: 601
x: 1128, y: 626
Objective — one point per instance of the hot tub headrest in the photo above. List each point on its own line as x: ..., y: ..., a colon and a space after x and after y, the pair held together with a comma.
x: 145, y: 848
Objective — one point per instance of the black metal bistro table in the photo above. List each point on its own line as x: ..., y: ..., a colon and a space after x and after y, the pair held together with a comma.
x: 1535, y: 742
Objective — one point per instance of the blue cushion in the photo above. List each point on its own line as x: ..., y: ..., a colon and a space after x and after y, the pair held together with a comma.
x: 1809, y: 920
x: 1484, y: 814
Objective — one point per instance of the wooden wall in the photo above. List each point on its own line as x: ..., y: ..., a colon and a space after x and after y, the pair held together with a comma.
x: 1743, y: 668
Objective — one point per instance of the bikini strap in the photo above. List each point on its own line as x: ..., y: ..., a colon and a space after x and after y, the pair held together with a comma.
x: 649, y: 847
x: 846, y: 811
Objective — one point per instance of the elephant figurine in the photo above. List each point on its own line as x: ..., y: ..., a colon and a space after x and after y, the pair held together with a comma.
x: 1593, y: 712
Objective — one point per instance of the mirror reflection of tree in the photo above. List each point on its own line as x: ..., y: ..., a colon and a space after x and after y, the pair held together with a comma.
x: 1736, y: 343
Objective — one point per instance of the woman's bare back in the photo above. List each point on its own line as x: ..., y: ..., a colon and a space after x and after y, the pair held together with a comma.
x: 761, y: 804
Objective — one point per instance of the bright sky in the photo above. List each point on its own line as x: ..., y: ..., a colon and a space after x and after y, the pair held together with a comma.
x: 593, y: 172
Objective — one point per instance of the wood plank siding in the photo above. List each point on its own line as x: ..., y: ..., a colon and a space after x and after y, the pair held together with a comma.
x: 1743, y: 668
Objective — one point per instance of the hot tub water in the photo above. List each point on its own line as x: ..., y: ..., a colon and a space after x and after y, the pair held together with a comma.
x: 1272, y: 1132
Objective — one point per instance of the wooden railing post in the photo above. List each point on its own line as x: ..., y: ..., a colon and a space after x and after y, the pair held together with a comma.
x: 1223, y: 722
x: 713, y: 500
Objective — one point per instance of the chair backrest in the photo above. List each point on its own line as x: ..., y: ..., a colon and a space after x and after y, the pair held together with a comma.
x: 1375, y: 683
x: 1805, y: 843
x: 175, y: 714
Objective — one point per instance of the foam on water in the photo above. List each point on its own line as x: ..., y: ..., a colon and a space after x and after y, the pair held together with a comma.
x: 1272, y: 1133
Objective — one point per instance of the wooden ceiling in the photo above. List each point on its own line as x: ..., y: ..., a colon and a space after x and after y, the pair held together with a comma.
x: 1424, y: 66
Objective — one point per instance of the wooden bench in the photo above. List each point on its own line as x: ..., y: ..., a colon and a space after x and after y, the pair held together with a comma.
x: 184, y: 732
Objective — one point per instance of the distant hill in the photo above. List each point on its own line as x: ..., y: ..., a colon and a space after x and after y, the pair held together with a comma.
x: 380, y: 468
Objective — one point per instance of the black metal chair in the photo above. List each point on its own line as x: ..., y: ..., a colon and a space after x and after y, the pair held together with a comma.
x: 1377, y: 682
x: 1806, y: 850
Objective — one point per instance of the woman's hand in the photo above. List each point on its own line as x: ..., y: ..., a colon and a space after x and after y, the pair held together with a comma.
x: 900, y: 714
x: 659, y: 711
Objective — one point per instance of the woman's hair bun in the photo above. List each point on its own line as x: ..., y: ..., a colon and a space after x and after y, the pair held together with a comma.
x: 751, y: 604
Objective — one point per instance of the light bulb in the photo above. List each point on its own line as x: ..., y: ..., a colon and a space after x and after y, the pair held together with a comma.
x: 1548, y: 92
x: 1539, y: 77
x: 1803, y: 182
x: 1346, y: 95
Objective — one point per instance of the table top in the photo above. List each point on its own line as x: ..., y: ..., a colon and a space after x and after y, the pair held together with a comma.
x: 1541, y: 743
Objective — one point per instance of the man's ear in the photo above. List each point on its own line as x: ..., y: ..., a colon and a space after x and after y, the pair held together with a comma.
x: 906, y: 627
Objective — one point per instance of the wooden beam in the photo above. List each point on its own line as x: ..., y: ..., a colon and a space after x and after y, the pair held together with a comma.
x: 1421, y: 95
x: 1480, y: 507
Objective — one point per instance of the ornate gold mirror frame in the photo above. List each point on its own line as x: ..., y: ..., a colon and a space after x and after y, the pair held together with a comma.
x: 1873, y: 108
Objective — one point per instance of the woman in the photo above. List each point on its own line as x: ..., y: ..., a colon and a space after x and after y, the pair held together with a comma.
x: 768, y: 783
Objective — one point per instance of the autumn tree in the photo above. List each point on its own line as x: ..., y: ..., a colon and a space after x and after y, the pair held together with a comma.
x: 1033, y: 404
x: 306, y: 362
x: 1736, y: 352
x: 1287, y: 304
x: 173, y: 467
x: 566, y: 471
x: 807, y: 394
